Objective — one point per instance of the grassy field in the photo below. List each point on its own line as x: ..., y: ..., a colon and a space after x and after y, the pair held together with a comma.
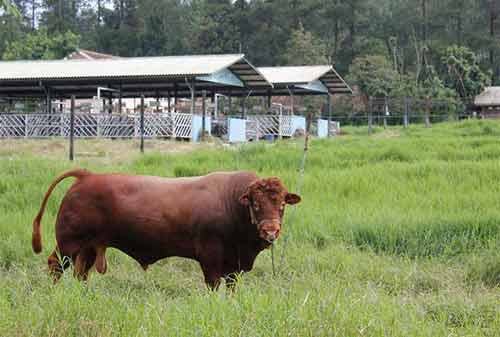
x: 398, y: 235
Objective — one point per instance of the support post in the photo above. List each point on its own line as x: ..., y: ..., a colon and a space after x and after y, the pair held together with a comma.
x: 269, y: 100
x: 110, y: 101
x: 329, y: 110
x: 49, y: 101
x: 193, y: 96
x: 168, y: 101
x: 120, y: 97
x: 72, y: 128
x: 230, y: 102
x: 329, y: 106
x: 242, y: 106
x: 203, y: 112
x: 280, y: 129
x: 142, y: 123
x: 370, y: 116
x: 157, y: 102
x: 212, y: 101
x: 175, y: 96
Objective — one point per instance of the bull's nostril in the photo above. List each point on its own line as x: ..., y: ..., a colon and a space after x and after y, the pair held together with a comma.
x: 271, y: 236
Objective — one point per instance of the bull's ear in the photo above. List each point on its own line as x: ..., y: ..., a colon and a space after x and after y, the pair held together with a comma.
x: 244, y: 200
x: 292, y: 199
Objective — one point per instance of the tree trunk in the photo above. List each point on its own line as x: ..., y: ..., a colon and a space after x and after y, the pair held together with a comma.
x: 121, y: 13
x: 98, y: 13
x: 493, y: 18
x: 33, y: 13
x: 352, y: 29
x: 424, y: 21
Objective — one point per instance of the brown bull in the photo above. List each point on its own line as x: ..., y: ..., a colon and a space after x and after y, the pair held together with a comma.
x: 221, y: 220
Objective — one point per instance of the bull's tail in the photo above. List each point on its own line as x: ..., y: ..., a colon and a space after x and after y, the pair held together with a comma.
x: 36, y: 239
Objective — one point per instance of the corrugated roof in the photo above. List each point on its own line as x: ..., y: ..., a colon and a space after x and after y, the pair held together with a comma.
x: 195, y: 65
x: 294, y: 75
x: 489, y: 97
x: 300, y: 75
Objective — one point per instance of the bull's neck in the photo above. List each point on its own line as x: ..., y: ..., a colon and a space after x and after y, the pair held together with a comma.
x: 239, y: 214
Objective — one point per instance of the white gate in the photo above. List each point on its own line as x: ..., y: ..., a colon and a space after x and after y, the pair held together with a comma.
x: 183, y: 125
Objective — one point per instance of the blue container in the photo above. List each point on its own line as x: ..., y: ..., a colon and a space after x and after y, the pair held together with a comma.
x: 269, y: 138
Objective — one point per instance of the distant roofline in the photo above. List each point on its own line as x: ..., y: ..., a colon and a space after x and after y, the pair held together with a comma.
x: 117, y: 59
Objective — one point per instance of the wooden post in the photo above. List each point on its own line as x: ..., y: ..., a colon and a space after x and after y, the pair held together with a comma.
x: 49, y: 101
x: 269, y: 100
x: 243, y: 106
x: 230, y: 103
x: 329, y: 106
x: 309, y: 119
x: 168, y: 101
x: 110, y: 106
x: 142, y: 123
x: 193, y: 96
x: 370, y: 116
x: 428, y: 104
x: 120, y: 100
x: 203, y: 111
x: 407, y: 109
x: 292, y: 101
x: 175, y: 96
x: 157, y: 102
x: 72, y: 128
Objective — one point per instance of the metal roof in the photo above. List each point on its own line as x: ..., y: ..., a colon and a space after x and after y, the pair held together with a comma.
x: 113, y: 68
x: 151, y: 76
x: 489, y: 97
x: 300, y: 76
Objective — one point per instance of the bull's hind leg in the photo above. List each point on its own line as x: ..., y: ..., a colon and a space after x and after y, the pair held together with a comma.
x: 56, y: 267
x: 84, y: 261
x: 101, y: 265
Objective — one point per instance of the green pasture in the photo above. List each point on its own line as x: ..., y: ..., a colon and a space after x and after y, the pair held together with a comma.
x: 398, y: 234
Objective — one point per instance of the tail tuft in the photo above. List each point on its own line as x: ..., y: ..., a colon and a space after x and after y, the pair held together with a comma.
x: 36, y: 239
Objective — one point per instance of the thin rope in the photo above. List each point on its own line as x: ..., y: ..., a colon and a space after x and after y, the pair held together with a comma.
x: 272, y: 259
x: 300, y: 179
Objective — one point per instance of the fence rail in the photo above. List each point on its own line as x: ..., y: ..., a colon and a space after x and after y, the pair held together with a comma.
x: 177, y: 125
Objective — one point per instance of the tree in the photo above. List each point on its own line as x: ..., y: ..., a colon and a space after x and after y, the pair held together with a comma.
x: 463, y: 73
x: 374, y: 74
x: 305, y: 49
x: 9, y: 7
x: 40, y: 45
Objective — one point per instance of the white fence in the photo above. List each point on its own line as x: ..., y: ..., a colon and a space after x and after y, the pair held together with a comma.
x: 156, y: 125
x: 95, y: 125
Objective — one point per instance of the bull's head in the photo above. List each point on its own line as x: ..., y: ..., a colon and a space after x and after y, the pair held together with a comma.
x: 266, y: 200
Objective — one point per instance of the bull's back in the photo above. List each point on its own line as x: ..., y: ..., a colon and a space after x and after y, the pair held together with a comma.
x: 147, y: 215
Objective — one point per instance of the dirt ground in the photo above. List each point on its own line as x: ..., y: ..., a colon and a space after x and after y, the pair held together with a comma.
x: 117, y: 151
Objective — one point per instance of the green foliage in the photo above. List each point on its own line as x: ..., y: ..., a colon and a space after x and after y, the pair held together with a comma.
x: 464, y: 74
x: 305, y: 49
x: 42, y: 46
x: 396, y: 236
x: 374, y: 75
x: 9, y: 7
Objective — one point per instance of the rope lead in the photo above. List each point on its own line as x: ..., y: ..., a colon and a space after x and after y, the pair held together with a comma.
x: 300, y: 179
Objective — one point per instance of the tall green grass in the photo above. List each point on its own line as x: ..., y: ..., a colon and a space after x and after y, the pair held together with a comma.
x: 397, y: 235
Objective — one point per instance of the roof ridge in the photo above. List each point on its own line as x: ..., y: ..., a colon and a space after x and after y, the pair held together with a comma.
x: 122, y: 58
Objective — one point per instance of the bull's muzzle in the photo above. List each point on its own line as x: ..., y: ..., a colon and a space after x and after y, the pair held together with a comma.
x: 269, y: 230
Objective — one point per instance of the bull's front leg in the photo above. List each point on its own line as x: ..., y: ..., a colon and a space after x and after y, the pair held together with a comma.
x: 211, y: 258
